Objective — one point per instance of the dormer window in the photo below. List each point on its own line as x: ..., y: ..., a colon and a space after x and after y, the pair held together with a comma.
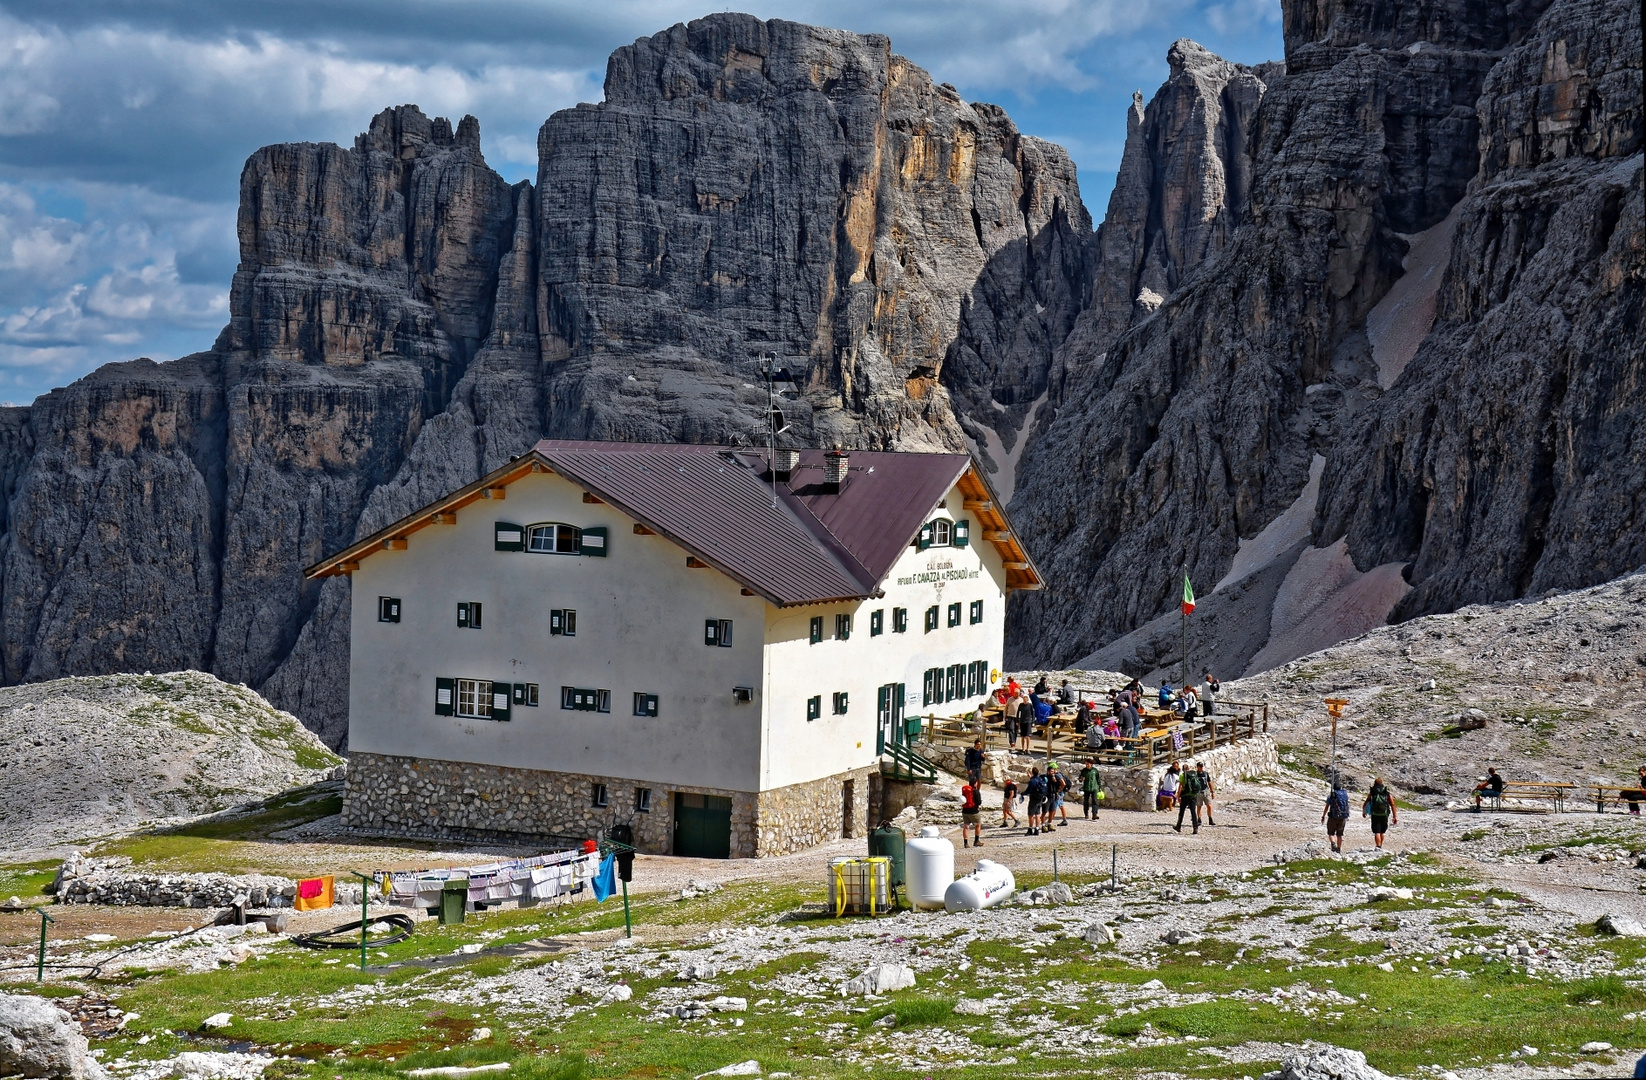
x: 941, y: 532
x: 553, y: 538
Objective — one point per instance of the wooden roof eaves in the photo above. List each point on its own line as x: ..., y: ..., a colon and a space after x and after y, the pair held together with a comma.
x: 332, y: 565
x: 1011, y: 549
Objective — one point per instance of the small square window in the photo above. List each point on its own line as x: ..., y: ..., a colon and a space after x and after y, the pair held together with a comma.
x: 977, y: 612
x: 602, y: 701
x: 900, y: 620
x: 525, y: 693
x: 814, y: 707
x: 388, y: 609
x: 877, y: 622
x: 645, y: 704
x: 954, y: 614
x: 840, y: 703
x: 562, y: 622
x: 597, y: 795
x: 817, y: 629
x: 468, y: 615
x: 842, y: 626
x: 717, y: 632
x: 931, y: 618
x: 642, y: 800
x: 742, y: 694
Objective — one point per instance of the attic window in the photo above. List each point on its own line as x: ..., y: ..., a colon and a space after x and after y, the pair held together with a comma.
x: 554, y: 538
x: 942, y: 531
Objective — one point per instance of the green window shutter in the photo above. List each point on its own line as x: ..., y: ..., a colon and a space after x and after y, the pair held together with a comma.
x: 502, y: 700
x: 557, y: 621
x: 898, y: 691
x: 445, y: 697
x: 594, y: 542
x: 962, y: 533
x: 509, y: 536
x: 977, y: 612
x: 711, y: 632
x: 925, y: 536
x: 817, y: 629
x: 877, y: 622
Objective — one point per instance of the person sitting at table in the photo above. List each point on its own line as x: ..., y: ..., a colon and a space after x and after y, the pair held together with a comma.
x: 1042, y: 687
x: 1490, y: 786
x: 1065, y: 694
x: 1095, y: 736
x: 1111, y: 731
x: 1165, y: 693
x: 1083, y: 717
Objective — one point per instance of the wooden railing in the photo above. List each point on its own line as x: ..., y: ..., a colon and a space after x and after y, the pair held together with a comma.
x: 1058, y: 737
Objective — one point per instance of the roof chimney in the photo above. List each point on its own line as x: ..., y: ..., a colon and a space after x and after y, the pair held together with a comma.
x: 834, y: 468
x: 784, y: 462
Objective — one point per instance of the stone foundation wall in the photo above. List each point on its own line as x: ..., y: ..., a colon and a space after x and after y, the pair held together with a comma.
x: 800, y: 816
x: 1134, y: 789
x: 387, y: 795
x: 952, y: 759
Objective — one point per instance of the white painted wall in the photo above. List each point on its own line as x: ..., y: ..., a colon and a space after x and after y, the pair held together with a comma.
x: 640, y: 614
x: 797, y: 750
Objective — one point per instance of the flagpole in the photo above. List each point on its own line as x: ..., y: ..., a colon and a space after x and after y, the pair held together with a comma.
x: 1183, y: 620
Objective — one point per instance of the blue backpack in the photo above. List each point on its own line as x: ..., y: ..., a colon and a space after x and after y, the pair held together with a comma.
x: 1337, y: 803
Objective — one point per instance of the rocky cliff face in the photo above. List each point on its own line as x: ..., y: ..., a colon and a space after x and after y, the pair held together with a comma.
x: 403, y: 321
x: 1187, y: 440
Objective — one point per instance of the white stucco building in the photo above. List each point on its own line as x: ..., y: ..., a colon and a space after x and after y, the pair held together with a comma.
x: 667, y: 635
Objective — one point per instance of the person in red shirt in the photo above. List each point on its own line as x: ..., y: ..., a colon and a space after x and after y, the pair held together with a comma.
x: 971, y: 806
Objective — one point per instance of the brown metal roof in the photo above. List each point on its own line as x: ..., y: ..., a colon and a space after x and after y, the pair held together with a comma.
x: 815, y: 545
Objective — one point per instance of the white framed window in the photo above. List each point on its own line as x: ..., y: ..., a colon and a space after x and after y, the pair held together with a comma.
x: 554, y: 538
x: 645, y: 704
x: 474, y: 698
x: 468, y: 615
x: 643, y: 800
x: 942, y: 532
x: 525, y: 693
x: 597, y: 795
x: 388, y: 609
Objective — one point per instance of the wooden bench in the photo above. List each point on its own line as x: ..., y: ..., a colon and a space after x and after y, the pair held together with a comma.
x: 1617, y: 796
x: 1526, y: 791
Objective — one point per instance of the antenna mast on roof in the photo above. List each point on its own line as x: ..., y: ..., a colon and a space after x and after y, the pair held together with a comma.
x: 776, y: 423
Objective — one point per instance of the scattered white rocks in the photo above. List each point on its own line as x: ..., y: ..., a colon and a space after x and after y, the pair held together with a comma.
x: 881, y: 979
x: 1385, y: 892
x: 38, y: 1039
x: 217, y: 1020
x: 695, y: 889
x: 1524, y: 1052
x: 728, y: 1004
x: 481, y: 1034
x: 210, y: 1065
x: 971, y: 1007
x: 697, y: 971
x: 460, y: 1070
x: 1179, y: 937
x: 1053, y: 895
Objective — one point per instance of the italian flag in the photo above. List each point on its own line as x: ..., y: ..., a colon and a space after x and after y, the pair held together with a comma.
x: 1188, y: 596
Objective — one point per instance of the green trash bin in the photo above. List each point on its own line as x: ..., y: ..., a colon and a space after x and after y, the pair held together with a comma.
x: 454, y: 899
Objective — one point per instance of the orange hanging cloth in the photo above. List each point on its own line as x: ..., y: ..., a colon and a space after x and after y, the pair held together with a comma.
x: 314, y: 894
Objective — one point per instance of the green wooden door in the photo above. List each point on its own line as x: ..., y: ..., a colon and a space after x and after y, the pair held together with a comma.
x: 702, y: 826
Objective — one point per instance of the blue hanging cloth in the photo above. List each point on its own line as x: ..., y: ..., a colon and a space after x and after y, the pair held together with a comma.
x: 605, y: 879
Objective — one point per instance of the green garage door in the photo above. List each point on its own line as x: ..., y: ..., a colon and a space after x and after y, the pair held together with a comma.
x: 702, y: 826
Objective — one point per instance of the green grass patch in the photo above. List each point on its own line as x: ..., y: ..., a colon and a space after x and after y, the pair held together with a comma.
x: 27, y: 881
x: 913, y: 1011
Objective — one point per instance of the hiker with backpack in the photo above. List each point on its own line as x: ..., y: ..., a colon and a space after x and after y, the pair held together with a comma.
x: 1336, y: 815
x: 1035, y: 792
x: 1380, y: 807
x: 1007, y: 804
x: 1057, y: 786
x: 1188, y: 797
x: 1207, y: 790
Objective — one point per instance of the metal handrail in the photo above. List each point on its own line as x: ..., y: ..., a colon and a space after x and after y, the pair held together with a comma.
x: 908, y: 765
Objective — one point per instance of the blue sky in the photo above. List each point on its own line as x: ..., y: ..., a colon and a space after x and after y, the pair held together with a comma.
x: 124, y: 123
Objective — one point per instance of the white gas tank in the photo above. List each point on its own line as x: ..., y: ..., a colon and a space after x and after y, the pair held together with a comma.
x: 928, y: 867
x: 984, y: 887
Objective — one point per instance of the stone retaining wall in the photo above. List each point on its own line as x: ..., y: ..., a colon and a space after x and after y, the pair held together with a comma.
x: 1124, y: 788
x: 387, y: 795
x: 85, y: 882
